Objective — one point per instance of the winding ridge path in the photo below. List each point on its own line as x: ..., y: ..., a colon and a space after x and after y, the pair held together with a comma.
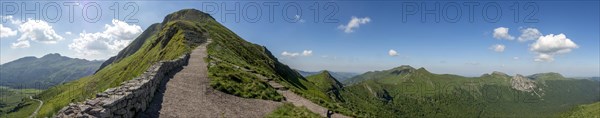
x: 188, y: 94
x: 38, y: 108
x: 299, y: 101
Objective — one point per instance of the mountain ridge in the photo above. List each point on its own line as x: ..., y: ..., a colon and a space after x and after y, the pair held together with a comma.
x: 46, y: 71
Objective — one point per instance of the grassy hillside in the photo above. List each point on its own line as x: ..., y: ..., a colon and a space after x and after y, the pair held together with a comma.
x: 288, y: 110
x: 134, y: 46
x: 236, y: 66
x: 325, y: 82
x: 175, y: 38
x: 241, y: 68
x: 584, y: 111
x: 409, y: 92
x: 44, y: 72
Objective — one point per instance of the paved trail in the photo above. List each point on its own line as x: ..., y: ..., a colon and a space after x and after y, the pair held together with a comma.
x: 38, y: 108
x: 188, y: 94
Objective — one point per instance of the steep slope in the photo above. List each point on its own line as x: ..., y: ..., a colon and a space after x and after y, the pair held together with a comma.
x: 408, y: 92
x: 44, y: 72
x: 174, y: 39
x: 244, y: 69
x: 325, y: 81
x: 134, y: 46
x: 584, y: 111
x: 235, y: 66
x: 327, y: 84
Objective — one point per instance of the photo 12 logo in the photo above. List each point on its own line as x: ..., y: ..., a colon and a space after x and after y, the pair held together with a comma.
x: 53, y: 12
x: 290, y: 12
x: 452, y: 12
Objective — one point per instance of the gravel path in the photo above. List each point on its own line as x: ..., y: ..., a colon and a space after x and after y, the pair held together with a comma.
x: 38, y: 108
x: 298, y: 100
x: 188, y: 94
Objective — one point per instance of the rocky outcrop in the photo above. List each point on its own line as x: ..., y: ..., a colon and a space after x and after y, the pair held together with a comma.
x: 522, y: 83
x: 129, y: 99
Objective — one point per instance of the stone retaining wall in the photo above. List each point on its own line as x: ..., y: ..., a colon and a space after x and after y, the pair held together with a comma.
x: 127, y: 100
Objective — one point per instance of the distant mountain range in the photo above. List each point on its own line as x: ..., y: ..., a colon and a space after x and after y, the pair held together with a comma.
x: 340, y: 76
x: 250, y: 71
x: 405, y: 91
x: 44, y: 72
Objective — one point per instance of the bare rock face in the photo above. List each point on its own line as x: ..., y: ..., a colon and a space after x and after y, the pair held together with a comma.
x: 522, y: 83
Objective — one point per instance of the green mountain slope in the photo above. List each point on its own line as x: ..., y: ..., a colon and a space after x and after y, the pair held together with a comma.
x: 408, y: 92
x: 326, y: 83
x: 44, y: 72
x: 584, y: 111
x: 241, y: 68
x: 236, y: 66
x: 175, y: 38
x: 340, y: 76
x: 134, y: 46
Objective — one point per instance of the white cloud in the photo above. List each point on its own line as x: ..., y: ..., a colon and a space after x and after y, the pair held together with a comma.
x: 11, y: 19
x: 295, y: 54
x: 548, y: 46
x: 289, y: 54
x: 307, y: 53
x: 20, y: 44
x: 502, y: 33
x: 114, y: 38
x: 516, y: 58
x: 354, y: 23
x: 544, y: 58
x: 392, y: 52
x: 498, y: 47
x: 6, y: 32
x: 68, y: 33
x: 299, y: 19
x: 529, y: 34
x: 39, y: 31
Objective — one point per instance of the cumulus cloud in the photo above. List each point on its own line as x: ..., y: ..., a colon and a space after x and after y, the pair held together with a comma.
x: 529, y: 34
x: 11, y: 19
x: 68, y: 33
x: 354, y: 23
x: 6, y: 32
x: 114, y: 38
x: 516, y: 58
x: 498, y: 48
x: 38, y: 31
x: 502, y: 33
x: 392, y: 52
x: 295, y: 54
x: 548, y: 46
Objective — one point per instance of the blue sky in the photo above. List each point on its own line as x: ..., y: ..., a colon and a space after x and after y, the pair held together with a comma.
x: 456, y: 46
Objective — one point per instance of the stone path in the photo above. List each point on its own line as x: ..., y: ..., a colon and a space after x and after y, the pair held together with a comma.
x: 298, y: 100
x: 188, y: 94
x: 38, y: 108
